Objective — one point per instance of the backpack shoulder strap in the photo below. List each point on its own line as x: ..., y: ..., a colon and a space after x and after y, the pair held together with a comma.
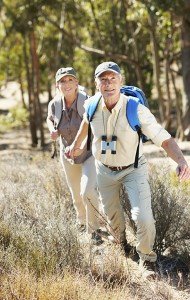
x: 58, y: 110
x: 132, y: 117
x: 92, y: 106
x: 131, y: 113
x: 90, y: 111
x: 82, y: 96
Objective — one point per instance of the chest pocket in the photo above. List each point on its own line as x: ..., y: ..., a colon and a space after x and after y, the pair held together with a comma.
x: 97, y: 126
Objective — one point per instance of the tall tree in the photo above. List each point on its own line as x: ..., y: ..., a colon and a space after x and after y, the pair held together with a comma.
x: 83, y: 33
x: 182, y: 9
x: 186, y: 68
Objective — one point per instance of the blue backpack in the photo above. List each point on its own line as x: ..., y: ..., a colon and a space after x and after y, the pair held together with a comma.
x: 136, y: 97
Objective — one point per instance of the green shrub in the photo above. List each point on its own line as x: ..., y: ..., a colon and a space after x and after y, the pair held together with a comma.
x: 17, y: 117
x: 184, y: 186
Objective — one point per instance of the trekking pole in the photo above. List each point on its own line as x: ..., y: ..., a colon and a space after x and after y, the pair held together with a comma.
x: 54, y: 146
x: 54, y: 150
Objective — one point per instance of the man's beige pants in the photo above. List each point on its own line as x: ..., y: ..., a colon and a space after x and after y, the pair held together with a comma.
x: 81, y: 180
x: 135, y: 182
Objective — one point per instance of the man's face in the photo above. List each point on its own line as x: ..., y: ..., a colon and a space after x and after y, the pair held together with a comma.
x: 109, y: 83
x: 67, y: 85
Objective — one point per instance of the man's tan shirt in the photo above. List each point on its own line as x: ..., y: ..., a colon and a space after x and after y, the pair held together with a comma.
x: 115, y: 123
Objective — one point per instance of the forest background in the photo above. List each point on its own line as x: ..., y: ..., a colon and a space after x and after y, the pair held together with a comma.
x: 42, y: 255
x: 149, y: 39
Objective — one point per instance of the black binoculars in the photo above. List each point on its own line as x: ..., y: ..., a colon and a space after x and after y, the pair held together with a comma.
x: 108, y: 145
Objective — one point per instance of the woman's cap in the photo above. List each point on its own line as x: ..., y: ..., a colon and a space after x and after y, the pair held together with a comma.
x: 64, y: 72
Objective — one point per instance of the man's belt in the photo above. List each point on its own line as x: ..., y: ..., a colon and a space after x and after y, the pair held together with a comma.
x: 117, y: 168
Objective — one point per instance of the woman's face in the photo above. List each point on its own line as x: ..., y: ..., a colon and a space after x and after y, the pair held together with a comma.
x: 67, y: 85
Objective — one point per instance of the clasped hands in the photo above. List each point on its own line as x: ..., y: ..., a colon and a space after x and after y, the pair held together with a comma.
x: 72, y: 151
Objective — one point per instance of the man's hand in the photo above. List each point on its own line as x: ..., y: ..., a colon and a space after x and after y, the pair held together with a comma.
x: 173, y: 151
x: 183, y: 171
x: 54, y: 134
x: 71, y: 152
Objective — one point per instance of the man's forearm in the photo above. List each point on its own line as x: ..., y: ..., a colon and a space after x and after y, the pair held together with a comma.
x: 173, y: 151
x: 81, y: 134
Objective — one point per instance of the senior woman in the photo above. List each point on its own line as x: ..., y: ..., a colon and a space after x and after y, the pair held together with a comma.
x: 65, y: 113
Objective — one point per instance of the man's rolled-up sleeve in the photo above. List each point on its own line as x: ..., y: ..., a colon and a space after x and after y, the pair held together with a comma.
x: 150, y: 127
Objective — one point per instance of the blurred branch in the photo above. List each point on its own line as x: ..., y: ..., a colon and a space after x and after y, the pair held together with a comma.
x: 75, y: 41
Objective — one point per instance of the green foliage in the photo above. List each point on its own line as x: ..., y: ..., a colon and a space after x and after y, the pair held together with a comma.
x: 114, y: 27
x: 17, y: 117
x: 84, y: 33
x: 184, y: 186
x: 167, y: 5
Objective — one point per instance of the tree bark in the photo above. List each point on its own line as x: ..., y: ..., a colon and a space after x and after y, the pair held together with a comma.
x: 168, y: 105
x: 22, y: 90
x: 60, y: 38
x: 156, y: 65
x: 136, y: 52
x: 32, y: 122
x: 36, y: 81
x: 96, y: 21
x: 186, y: 71
x: 179, y: 133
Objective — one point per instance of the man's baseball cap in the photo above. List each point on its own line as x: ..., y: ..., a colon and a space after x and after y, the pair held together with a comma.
x: 64, y: 72
x: 107, y: 66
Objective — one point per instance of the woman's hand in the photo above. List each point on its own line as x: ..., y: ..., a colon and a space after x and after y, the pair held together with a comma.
x: 71, y: 152
x: 54, y: 134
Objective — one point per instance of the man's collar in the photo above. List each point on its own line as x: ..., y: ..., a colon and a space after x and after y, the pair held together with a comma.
x: 118, y: 105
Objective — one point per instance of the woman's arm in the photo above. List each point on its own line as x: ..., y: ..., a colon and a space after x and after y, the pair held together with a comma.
x: 75, y: 148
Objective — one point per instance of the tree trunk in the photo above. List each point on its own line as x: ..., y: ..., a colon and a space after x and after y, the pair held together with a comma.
x: 167, y: 120
x: 32, y: 122
x: 138, y: 69
x: 156, y: 65
x: 96, y: 21
x: 186, y: 71
x: 168, y: 105
x: 36, y: 81
x: 22, y: 90
x: 179, y: 133
x: 136, y: 51
x: 21, y: 82
x: 60, y: 38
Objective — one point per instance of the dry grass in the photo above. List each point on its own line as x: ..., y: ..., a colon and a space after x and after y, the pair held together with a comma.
x: 172, y: 211
x: 43, y: 256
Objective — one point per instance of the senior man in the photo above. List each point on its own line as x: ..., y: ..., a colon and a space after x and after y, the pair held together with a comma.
x: 116, y: 168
